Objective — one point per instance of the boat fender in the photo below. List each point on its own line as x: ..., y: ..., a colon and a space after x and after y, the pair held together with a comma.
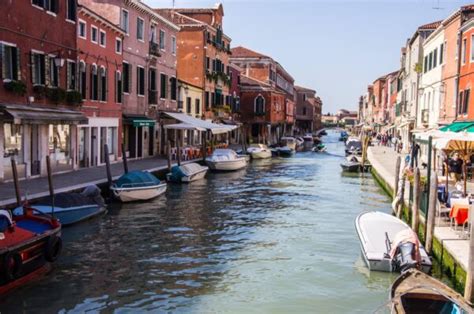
x: 54, y: 247
x: 12, y: 263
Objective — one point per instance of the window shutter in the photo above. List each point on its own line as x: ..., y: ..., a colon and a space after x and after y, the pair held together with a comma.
x: 3, y: 61
x: 130, y: 78
x: 18, y: 64
x: 91, y: 82
x: 47, y: 69
x: 69, y: 75
x: 34, y: 79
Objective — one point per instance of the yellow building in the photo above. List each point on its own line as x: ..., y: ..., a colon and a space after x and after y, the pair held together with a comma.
x: 190, y: 102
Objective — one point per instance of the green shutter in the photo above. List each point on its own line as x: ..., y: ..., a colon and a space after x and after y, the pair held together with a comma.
x: 3, y: 61
x: 47, y: 71
x: 33, y: 68
x: 18, y: 64
x: 68, y: 74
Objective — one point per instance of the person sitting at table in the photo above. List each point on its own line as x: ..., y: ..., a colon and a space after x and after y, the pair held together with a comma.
x: 455, y: 167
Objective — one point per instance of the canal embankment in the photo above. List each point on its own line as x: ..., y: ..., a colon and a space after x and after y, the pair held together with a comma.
x: 449, y: 248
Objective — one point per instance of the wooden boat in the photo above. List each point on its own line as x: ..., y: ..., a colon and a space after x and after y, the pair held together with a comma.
x: 226, y: 160
x: 416, y: 292
x: 29, y: 243
x: 259, y: 151
x: 388, y: 244
x: 138, y: 186
x: 69, y: 207
x: 288, y: 141
x: 187, y: 173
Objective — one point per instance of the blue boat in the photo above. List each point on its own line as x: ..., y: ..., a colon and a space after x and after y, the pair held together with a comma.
x: 69, y: 207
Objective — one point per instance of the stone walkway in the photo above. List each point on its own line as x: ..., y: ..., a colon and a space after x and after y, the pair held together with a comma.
x: 384, y: 159
x: 64, y: 182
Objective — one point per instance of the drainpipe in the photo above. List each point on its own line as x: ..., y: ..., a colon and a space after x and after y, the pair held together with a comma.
x: 456, y: 98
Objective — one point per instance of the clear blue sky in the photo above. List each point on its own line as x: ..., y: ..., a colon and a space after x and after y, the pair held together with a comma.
x: 336, y: 47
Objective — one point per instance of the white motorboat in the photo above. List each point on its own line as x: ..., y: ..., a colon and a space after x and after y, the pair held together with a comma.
x: 259, y: 151
x: 187, y: 173
x: 226, y: 160
x: 289, y: 142
x: 138, y: 186
x: 388, y: 244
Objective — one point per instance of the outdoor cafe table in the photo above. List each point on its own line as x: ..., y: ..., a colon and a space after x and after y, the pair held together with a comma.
x: 460, y: 213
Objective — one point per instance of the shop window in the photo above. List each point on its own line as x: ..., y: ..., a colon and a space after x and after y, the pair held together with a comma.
x: 59, y: 143
x: 12, y: 144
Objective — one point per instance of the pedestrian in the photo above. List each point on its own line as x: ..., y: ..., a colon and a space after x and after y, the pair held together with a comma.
x: 455, y: 167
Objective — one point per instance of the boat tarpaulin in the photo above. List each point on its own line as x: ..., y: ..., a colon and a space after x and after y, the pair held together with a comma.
x: 21, y: 114
x: 214, y: 128
x: 137, y: 179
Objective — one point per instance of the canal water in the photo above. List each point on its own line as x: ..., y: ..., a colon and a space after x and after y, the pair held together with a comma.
x: 277, y: 237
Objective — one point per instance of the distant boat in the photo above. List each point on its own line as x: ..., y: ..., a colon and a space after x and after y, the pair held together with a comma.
x: 70, y: 207
x: 29, y: 243
x: 187, y: 173
x: 288, y: 141
x: 344, y: 136
x: 259, y: 151
x: 226, y: 160
x: 388, y: 244
x: 416, y: 292
x: 138, y: 186
x: 285, y: 151
x: 319, y: 148
x: 353, y: 146
x: 308, y: 137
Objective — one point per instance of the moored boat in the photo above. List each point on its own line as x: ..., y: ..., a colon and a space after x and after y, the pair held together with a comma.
x: 259, y: 151
x: 416, y: 292
x: 288, y: 141
x: 226, y: 160
x: 319, y: 148
x: 70, y: 207
x: 187, y: 173
x: 29, y: 243
x: 353, y: 146
x: 285, y: 151
x: 138, y: 186
x: 388, y: 244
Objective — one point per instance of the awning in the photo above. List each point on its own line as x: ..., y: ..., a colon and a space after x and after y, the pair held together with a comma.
x: 200, y: 124
x: 457, y: 126
x: 138, y: 121
x: 21, y: 114
x: 183, y: 126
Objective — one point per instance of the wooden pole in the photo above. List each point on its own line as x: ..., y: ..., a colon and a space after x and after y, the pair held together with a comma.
x: 397, y: 175
x: 168, y: 150
x: 416, y: 201
x: 212, y: 142
x: 50, y: 182
x: 430, y: 218
x: 124, y: 159
x: 107, y: 164
x: 469, y: 287
x: 15, y: 182
x: 178, y: 148
x: 204, y: 145
x: 447, y: 178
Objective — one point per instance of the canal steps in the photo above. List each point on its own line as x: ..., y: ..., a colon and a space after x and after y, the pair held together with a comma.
x: 451, y: 251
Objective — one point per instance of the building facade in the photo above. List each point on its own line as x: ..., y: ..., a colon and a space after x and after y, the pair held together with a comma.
x: 305, y: 110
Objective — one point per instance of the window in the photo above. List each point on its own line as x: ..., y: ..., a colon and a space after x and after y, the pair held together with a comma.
x: 441, y: 54
x: 472, y: 47
x: 102, y: 38
x: 213, y: 100
x: 463, y: 52
x: 53, y: 72
x: 82, y: 79
x: 71, y: 10
x: 430, y: 61
x: 152, y: 79
x: 94, y: 83
x: 71, y: 75
x: 259, y: 105
x: 140, y: 81
x: 188, y: 104
x: 124, y: 21
x: 118, y: 87
x: 206, y: 100
x: 197, y: 106
x: 208, y: 63
x: 425, y: 67
x: 173, y: 45
x: 10, y: 62
x: 173, y: 88
x: 127, y: 77
x: 48, y: 5
x: 435, y: 58
x: 140, y: 29
x: 94, y: 34
x: 38, y: 69
x: 118, y: 46
x: 465, y: 106
x: 162, y: 39
x: 82, y: 29
x: 163, y: 85
x: 304, y: 111
x: 103, y: 84
x: 153, y: 34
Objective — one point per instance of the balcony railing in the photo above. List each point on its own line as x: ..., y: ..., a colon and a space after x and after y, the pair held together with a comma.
x: 152, y: 97
x: 155, y: 49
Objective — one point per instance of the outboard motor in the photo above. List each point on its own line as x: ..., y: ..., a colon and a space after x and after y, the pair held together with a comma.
x: 93, y: 192
x: 404, y: 259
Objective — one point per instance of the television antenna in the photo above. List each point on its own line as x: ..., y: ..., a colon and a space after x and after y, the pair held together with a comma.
x: 437, y: 7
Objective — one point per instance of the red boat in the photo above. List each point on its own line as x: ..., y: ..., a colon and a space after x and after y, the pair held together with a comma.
x: 29, y: 243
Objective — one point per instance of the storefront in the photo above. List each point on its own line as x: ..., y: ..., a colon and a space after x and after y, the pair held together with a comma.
x: 28, y: 134
x: 139, y: 136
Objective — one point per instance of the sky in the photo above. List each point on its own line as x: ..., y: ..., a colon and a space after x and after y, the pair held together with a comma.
x: 336, y: 47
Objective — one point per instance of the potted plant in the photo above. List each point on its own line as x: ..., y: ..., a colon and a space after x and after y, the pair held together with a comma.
x: 56, y: 94
x: 73, y: 98
x: 16, y: 87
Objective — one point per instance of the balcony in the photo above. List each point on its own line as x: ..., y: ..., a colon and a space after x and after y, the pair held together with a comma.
x: 154, y: 49
x: 152, y: 97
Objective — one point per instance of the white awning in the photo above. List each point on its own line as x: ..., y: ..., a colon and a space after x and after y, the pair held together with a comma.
x: 183, y: 126
x: 198, y: 124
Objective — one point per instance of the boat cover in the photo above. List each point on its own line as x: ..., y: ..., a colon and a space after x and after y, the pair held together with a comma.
x: 224, y: 155
x: 190, y: 169
x: 137, y: 179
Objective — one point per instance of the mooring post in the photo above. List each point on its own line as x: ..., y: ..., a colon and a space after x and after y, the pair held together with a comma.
x: 168, y: 149
x: 15, y: 182
x: 107, y: 164
x: 415, y: 218
x: 397, y: 175
x: 178, y: 149
x: 430, y: 218
x: 204, y: 145
x: 469, y: 288
x: 124, y: 159
x: 50, y: 182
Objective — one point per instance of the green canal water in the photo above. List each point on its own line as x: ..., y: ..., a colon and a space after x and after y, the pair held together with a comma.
x: 277, y: 237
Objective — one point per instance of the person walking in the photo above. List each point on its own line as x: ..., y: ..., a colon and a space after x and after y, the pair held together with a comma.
x: 455, y: 167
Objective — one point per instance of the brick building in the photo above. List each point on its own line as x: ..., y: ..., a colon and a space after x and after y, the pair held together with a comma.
x: 465, y: 103
x: 305, y: 110
x: 39, y: 104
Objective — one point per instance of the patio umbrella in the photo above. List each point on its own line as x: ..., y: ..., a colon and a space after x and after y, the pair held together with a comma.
x: 462, y: 143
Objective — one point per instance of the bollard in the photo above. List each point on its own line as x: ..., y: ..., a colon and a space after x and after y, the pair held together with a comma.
x: 15, y: 182
x: 397, y: 175
x: 430, y: 218
x: 469, y: 288
x: 178, y: 150
x: 107, y: 164
x: 50, y: 183
x: 168, y: 148
x: 124, y: 159
x: 415, y: 218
